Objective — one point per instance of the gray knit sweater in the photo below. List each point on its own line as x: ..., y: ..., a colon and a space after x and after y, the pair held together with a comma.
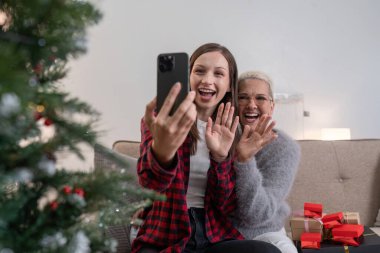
x: 263, y: 185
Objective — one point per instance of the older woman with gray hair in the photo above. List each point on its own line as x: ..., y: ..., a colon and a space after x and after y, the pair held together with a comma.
x: 267, y: 162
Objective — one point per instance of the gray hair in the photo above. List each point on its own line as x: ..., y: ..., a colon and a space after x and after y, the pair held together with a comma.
x: 257, y: 75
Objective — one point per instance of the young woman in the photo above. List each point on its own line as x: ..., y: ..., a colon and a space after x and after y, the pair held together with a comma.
x: 187, y: 157
x: 267, y: 162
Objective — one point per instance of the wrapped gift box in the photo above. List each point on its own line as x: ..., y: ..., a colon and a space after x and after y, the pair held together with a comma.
x: 312, y: 210
x: 300, y: 225
x: 351, y: 218
x: 311, y: 240
x: 370, y: 244
x: 333, y: 217
x: 347, y: 234
x: 348, y: 230
x: 332, y: 220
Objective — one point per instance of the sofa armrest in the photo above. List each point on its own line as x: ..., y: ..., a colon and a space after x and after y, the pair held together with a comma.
x: 101, y: 161
x: 376, y: 230
x: 121, y: 234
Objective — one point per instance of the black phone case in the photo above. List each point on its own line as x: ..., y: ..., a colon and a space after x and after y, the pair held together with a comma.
x: 167, y: 78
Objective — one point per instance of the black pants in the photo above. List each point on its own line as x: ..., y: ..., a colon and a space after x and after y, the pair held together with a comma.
x: 242, y: 246
x: 199, y: 243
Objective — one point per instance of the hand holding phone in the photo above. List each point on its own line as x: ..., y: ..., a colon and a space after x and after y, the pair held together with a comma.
x: 169, y: 132
x: 168, y: 127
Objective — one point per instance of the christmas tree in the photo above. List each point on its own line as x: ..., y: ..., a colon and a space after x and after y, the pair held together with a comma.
x: 42, y: 208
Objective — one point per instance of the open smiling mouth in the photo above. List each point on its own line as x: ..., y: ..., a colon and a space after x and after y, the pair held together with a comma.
x: 251, y: 116
x: 207, y: 93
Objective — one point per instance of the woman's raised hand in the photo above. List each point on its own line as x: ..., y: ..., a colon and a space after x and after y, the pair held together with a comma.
x: 169, y: 132
x: 220, y: 135
x: 255, y: 137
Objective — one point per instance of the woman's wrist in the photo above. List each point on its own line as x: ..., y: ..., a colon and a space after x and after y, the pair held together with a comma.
x: 165, y: 160
x: 218, y: 158
x: 242, y: 159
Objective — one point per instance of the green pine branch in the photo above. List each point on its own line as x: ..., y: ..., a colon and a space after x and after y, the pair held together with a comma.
x: 44, y: 209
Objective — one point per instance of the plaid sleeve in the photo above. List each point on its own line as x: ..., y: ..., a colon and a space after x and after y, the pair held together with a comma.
x: 151, y: 175
x: 221, y: 183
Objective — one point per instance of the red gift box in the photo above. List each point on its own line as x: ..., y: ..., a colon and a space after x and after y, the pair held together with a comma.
x: 347, y: 241
x: 331, y: 224
x: 312, y: 210
x: 332, y: 220
x: 311, y: 240
x: 348, y: 230
x: 348, y: 234
x: 332, y: 217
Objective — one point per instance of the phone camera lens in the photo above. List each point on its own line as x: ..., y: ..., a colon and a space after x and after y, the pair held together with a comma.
x: 166, y: 63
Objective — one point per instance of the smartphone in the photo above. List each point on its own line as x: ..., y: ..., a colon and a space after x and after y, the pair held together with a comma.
x: 172, y: 68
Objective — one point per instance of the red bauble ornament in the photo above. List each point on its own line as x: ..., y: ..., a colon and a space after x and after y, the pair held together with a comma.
x: 54, y: 205
x: 79, y: 191
x: 48, y: 122
x: 67, y: 190
x: 37, y: 116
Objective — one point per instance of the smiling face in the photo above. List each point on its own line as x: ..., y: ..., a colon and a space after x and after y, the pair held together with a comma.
x: 210, y: 79
x: 254, y: 100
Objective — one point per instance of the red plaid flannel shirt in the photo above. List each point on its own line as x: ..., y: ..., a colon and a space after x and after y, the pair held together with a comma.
x: 167, y: 225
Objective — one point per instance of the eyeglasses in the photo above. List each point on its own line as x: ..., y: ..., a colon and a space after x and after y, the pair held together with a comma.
x: 259, y: 99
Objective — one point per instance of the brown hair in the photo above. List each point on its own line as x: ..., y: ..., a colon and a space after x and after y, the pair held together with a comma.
x: 229, y: 97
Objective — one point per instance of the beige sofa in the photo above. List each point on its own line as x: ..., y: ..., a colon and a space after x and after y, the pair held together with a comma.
x: 341, y: 175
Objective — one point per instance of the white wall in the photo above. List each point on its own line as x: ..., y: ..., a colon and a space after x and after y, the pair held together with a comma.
x: 328, y: 50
